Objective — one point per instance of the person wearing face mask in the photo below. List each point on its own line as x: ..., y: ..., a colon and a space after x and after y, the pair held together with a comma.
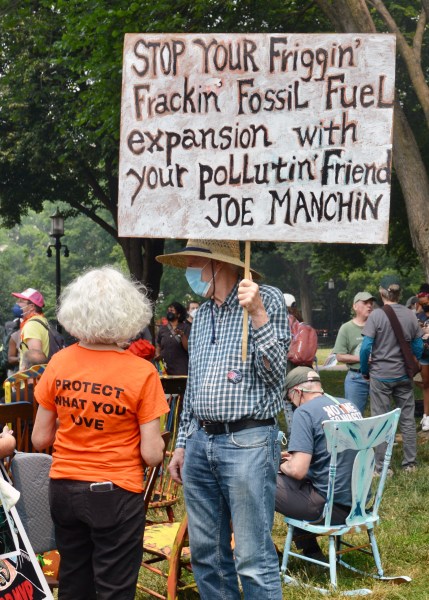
x: 172, y: 340
x: 192, y: 308
x: 228, y: 448
x: 302, y: 483
x: 34, y: 335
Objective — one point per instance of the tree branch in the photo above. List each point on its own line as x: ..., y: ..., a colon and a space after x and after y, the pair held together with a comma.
x: 425, y: 5
x: 418, y: 38
x: 413, y: 65
x: 95, y: 186
x: 94, y: 217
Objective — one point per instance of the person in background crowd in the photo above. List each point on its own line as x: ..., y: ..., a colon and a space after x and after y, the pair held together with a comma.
x: 32, y: 358
x: 192, y: 308
x: 294, y: 316
x: 422, y: 314
x: 34, y: 335
x: 411, y: 303
x: 227, y: 451
x: 347, y: 349
x: 11, y: 343
x: 387, y: 368
x: 172, y: 340
x: 13, y: 352
x: 294, y: 319
x: 108, y: 403
x: 302, y: 484
x: 145, y: 334
x: 141, y: 345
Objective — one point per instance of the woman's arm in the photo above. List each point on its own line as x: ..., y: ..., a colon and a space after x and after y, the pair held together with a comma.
x: 44, y: 428
x: 12, y: 353
x: 7, y: 442
x: 151, y: 443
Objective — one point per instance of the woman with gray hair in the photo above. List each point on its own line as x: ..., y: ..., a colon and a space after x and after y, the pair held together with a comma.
x: 99, y: 405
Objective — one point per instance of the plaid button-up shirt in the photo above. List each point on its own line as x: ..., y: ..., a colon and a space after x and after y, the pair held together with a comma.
x: 220, y: 386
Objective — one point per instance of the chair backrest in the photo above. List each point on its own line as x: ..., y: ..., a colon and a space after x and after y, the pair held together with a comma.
x: 362, y: 436
x: 30, y: 473
x: 19, y: 417
x: 152, y: 473
x: 20, y: 386
x: 166, y: 491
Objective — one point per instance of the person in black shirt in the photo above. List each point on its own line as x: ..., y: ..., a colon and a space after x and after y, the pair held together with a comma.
x: 172, y: 340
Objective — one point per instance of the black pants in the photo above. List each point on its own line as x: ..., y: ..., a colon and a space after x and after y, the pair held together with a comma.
x: 298, y: 499
x: 100, y: 540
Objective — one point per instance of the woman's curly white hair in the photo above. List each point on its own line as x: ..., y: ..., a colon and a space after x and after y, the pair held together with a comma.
x: 103, y: 306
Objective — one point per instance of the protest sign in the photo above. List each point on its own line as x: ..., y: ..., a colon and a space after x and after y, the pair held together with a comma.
x: 257, y: 136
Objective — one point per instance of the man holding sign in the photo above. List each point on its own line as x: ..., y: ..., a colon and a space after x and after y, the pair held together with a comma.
x: 227, y: 450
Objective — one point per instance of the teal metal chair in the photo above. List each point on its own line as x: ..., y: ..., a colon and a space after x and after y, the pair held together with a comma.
x: 362, y: 436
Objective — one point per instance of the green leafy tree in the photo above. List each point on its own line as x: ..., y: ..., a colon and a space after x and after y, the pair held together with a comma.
x: 60, y: 68
x: 24, y: 262
x: 60, y: 72
x: 411, y: 118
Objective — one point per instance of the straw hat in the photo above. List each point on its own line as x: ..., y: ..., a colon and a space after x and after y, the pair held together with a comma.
x: 227, y: 251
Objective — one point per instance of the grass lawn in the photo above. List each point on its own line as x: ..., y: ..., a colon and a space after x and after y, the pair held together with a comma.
x: 403, y: 534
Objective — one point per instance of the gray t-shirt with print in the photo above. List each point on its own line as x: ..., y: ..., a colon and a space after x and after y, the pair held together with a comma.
x: 387, y: 361
x: 307, y: 436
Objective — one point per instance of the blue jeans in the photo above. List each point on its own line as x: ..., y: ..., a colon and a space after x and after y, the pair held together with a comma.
x: 230, y: 480
x: 356, y: 389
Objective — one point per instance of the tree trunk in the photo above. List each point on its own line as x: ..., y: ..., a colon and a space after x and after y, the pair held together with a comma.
x: 414, y: 182
x: 140, y: 256
x: 352, y: 16
x: 304, y: 282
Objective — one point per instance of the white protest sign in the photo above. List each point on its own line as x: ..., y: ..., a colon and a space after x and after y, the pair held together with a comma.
x: 257, y: 137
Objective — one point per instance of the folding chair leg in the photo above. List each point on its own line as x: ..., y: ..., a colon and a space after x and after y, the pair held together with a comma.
x: 332, y: 561
x: 288, y: 544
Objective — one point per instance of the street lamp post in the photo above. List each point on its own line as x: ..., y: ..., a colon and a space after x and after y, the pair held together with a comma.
x: 57, y: 232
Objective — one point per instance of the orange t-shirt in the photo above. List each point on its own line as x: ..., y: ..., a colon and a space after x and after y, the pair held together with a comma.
x: 101, y: 397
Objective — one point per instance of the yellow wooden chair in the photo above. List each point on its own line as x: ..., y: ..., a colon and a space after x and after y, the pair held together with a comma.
x: 20, y: 386
x: 166, y: 492
x: 19, y: 417
x: 165, y: 545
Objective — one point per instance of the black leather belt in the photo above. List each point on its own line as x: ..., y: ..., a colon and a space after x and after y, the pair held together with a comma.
x: 355, y: 370
x: 217, y: 428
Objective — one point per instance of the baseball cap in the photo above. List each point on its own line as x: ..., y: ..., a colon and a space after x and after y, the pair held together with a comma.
x: 300, y: 375
x: 31, y: 295
x: 364, y: 296
x: 389, y: 280
x: 289, y: 299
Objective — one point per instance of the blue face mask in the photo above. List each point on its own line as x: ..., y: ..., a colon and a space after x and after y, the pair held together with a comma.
x: 193, y: 277
x: 17, y: 311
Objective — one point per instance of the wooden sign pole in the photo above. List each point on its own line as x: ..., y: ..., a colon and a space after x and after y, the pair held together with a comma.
x: 245, y: 313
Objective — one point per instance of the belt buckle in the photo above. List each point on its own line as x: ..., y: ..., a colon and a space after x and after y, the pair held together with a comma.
x: 205, y: 422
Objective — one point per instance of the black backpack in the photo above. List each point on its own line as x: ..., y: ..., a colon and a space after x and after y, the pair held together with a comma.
x: 56, y: 340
